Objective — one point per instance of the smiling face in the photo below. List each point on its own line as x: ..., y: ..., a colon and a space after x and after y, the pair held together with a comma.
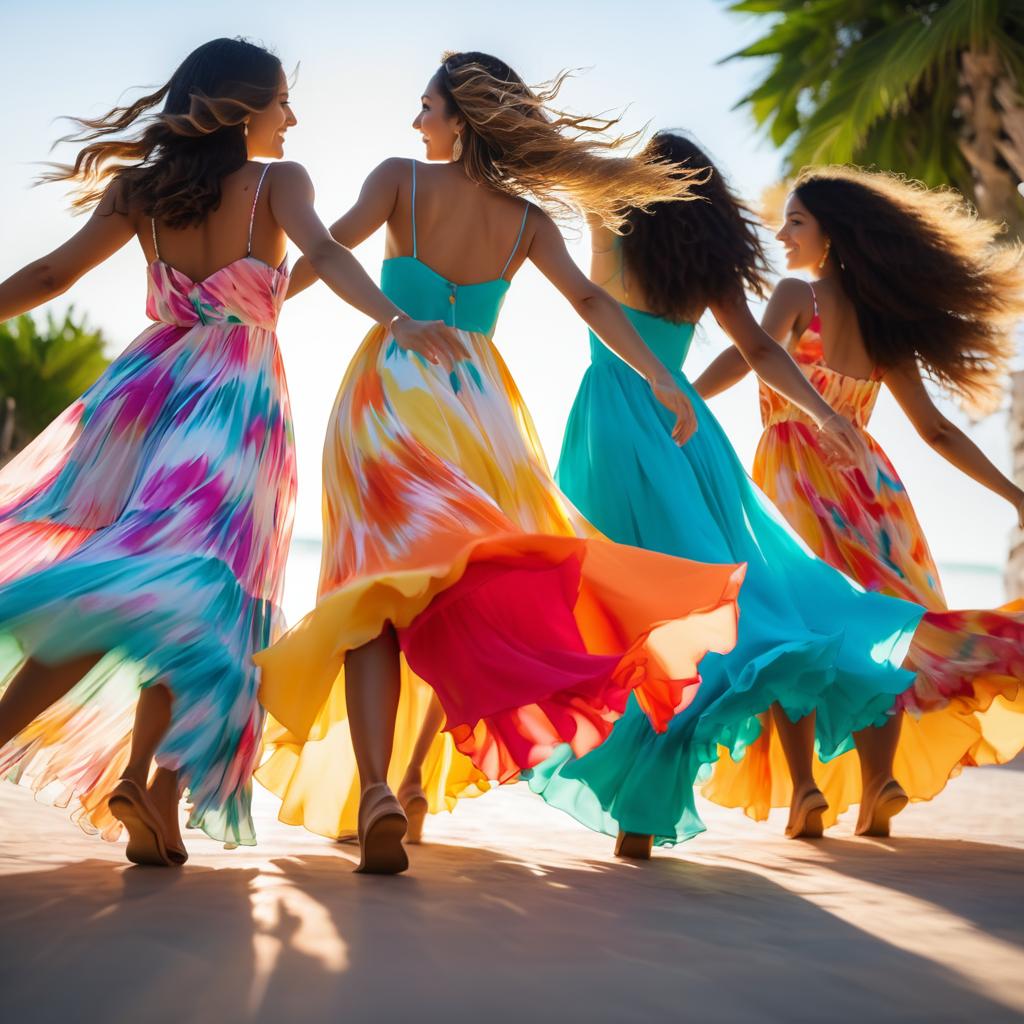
x: 802, y: 236
x: 437, y: 127
x: 266, y: 128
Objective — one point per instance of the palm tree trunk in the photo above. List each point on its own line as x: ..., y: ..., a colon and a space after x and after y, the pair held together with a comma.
x: 995, y: 194
x: 993, y: 144
x: 1015, y: 564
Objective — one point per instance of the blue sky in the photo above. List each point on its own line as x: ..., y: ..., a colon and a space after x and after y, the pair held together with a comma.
x: 362, y: 68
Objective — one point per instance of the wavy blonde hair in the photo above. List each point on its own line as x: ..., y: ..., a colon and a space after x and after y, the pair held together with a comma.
x: 929, y: 280
x: 517, y: 142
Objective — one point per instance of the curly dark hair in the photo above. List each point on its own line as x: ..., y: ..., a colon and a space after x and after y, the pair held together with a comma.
x: 517, y: 142
x: 172, y: 169
x: 687, y: 256
x: 929, y: 282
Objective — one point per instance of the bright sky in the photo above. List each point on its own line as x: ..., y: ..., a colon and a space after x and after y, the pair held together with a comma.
x: 363, y: 67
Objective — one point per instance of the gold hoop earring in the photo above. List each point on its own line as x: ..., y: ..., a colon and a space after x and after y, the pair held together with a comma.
x: 457, y: 148
x: 824, y: 257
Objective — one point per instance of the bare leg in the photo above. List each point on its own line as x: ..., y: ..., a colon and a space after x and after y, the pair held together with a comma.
x: 372, y: 687
x: 410, y: 793
x: 35, y: 687
x: 797, y: 739
x: 152, y: 720
x: 428, y: 731
x: 882, y: 797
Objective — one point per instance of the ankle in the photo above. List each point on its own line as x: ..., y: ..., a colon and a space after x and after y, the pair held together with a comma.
x: 803, y: 787
x: 872, y: 785
x: 136, y: 774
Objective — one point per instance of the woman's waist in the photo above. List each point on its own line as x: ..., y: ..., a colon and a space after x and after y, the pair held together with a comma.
x: 777, y: 409
x: 670, y: 355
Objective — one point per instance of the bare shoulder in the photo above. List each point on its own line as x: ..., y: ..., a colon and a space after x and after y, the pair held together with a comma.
x: 394, y: 169
x: 544, y: 229
x: 794, y: 295
x: 115, y: 201
x: 289, y: 174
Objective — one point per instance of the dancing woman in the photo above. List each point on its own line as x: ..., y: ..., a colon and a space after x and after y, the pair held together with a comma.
x: 143, y: 534
x: 908, y: 284
x: 452, y: 564
x: 815, y: 654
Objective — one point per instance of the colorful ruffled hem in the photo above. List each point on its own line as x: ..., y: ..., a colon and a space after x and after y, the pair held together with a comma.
x: 527, y: 640
x: 160, y: 619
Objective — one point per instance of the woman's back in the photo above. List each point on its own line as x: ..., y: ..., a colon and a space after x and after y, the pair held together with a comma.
x: 465, y: 232
x: 240, y: 226
x: 842, y: 344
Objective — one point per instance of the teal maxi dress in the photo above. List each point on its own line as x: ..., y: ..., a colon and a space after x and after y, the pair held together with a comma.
x: 809, y: 638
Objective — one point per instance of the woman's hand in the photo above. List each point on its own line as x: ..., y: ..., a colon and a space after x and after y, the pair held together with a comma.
x: 841, y: 440
x: 434, y: 340
x: 671, y: 395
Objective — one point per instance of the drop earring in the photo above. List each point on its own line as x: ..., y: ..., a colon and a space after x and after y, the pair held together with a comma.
x: 457, y: 148
x: 245, y: 129
x: 824, y: 255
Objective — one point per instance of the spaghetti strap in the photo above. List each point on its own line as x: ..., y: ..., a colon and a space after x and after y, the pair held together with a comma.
x: 519, y: 238
x: 156, y: 247
x: 252, y: 212
x: 413, y: 210
x: 814, y: 298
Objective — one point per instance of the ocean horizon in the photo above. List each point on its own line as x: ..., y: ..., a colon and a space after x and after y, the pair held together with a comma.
x: 967, y: 585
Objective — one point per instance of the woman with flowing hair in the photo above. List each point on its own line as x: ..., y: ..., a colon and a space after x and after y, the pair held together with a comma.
x: 908, y: 284
x: 457, y: 583
x: 814, y: 652
x: 143, y: 534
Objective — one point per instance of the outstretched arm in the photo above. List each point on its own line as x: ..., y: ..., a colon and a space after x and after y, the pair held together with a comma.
x: 779, y: 321
x: 947, y: 438
x: 291, y: 202
x: 373, y: 208
x: 603, y: 314
x: 106, y: 231
x: 775, y: 366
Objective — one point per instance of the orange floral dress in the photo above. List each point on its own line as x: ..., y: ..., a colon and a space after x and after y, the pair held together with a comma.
x: 966, y: 706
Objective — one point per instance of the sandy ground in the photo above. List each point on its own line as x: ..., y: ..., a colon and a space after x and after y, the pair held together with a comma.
x: 511, y: 912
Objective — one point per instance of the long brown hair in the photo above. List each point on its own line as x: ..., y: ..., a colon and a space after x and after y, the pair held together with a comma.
x: 929, y: 282
x: 173, y: 167
x: 517, y: 142
x: 686, y: 256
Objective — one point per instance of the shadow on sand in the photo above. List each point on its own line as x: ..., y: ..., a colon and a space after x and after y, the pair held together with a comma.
x: 478, y: 935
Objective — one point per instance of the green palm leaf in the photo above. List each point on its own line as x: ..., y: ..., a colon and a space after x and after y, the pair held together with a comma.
x: 45, y: 369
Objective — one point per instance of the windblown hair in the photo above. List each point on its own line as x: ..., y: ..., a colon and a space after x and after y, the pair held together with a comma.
x: 686, y: 256
x: 929, y: 281
x: 172, y: 169
x: 517, y: 142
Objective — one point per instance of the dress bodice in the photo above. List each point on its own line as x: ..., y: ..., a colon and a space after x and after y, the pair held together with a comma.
x: 424, y: 294
x: 853, y: 397
x: 669, y: 341
x: 246, y: 291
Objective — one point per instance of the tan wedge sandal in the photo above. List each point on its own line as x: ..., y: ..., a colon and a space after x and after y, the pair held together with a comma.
x: 147, y: 843
x: 382, y: 827
x: 874, y: 818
